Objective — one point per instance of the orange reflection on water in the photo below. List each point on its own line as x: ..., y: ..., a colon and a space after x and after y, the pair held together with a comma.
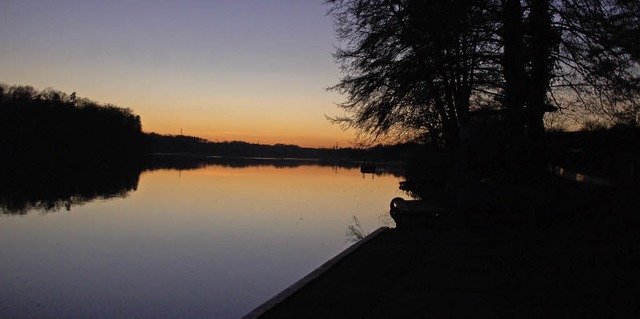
x: 307, y: 191
x: 189, y: 241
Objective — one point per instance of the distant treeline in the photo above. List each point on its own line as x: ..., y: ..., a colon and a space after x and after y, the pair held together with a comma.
x: 50, y: 126
x: 179, y: 144
x: 53, y: 125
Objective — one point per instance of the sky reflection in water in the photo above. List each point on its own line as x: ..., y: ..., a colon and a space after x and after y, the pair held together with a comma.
x: 215, y: 241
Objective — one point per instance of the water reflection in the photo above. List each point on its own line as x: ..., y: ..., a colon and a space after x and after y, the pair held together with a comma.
x: 186, y: 162
x: 51, y: 187
x: 186, y: 242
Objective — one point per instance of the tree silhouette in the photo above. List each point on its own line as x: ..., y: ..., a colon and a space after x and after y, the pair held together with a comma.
x: 598, y: 67
x: 411, y: 67
x: 53, y: 126
x: 415, y: 68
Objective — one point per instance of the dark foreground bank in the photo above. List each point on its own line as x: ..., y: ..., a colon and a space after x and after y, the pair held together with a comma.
x: 580, y: 264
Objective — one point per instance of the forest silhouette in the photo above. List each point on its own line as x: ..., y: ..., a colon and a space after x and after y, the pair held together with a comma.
x: 51, y: 126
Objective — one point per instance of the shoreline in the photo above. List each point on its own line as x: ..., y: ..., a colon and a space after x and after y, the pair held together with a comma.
x: 304, y: 281
x: 582, y: 268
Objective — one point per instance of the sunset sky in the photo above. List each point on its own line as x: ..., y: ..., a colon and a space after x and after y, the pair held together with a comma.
x: 252, y: 70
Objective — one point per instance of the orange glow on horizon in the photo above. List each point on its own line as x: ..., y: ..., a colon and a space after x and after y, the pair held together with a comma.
x: 310, y: 136
x: 285, y: 120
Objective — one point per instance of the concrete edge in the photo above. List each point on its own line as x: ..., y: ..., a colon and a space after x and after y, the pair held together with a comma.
x: 287, y: 292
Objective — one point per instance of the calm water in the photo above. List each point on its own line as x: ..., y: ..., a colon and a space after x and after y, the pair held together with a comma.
x: 214, y: 241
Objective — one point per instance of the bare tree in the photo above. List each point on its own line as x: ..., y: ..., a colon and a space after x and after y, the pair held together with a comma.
x: 598, y: 70
x: 411, y: 67
x: 415, y: 68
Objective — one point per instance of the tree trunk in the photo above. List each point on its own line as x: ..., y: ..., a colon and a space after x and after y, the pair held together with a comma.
x: 515, y: 83
x: 541, y: 48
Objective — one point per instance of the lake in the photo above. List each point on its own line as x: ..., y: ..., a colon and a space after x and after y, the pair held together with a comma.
x: 202, y: 239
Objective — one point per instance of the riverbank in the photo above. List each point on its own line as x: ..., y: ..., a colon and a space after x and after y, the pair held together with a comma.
x: 582, y: 264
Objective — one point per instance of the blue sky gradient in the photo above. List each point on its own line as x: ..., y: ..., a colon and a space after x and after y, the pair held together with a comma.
x: 224, y: 70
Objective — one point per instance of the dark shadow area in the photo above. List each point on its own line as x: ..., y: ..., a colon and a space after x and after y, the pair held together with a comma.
x: 548, y: 247
x: 613, y: 154
x: 589, y: 177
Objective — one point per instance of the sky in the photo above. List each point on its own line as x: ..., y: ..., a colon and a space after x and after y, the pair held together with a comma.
x: 251, y: 70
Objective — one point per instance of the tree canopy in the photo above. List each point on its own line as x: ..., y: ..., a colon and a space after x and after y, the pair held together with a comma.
x: 415, y: 69
x: 52, y: 125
